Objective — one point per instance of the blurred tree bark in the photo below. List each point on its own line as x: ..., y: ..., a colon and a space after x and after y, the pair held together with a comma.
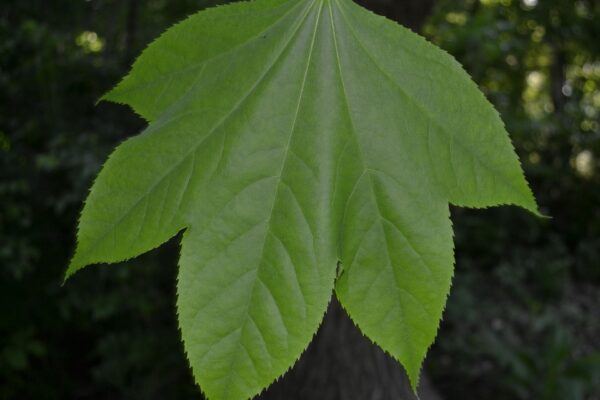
x: 340, y: 363
x: 558, y: 77
x: 410, y: 13
x: 133, y: 7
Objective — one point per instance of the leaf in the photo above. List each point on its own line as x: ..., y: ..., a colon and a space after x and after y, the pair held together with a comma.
x: 285, y: 136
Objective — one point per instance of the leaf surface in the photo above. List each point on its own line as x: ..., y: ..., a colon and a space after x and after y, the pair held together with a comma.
x: 285, y: 136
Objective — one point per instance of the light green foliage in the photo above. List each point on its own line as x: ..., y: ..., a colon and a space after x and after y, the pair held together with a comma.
x: 285, y: 136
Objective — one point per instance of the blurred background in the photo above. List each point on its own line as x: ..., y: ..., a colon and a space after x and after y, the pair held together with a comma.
x: 523, y: 318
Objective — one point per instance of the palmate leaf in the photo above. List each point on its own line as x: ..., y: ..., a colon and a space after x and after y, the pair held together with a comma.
x: 285, y: 136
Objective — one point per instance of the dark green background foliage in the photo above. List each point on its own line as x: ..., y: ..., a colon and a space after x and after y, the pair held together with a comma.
x: 522, y: 320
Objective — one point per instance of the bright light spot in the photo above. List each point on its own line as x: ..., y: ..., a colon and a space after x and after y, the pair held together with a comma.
x: 535, y: 80
x: 534, y: 158
x: 538, y: 33
x: 591, y: 70
x: 589, y: 86
x: 587, y: 125
x: 584, y: 163
x: 456, y: 18
x: 89, y: 42
x: 536, y: 104
x: 530, y: 3
x: 596, y: 99
x: 512, y: 60
x: 590, y: 111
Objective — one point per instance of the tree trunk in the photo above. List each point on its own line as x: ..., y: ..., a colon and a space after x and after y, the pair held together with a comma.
x: 340, y: 363
x: 558, y: 76
x: 410, y: 13
x: 131, y: 29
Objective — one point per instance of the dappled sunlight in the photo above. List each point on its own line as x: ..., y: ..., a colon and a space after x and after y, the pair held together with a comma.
x: 457, y: 18
x: 584, y: 163
x: 536, y: 101
x: 90, y: 42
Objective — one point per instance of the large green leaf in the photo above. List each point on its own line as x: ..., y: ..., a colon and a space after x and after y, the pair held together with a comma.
x: 285, y: 136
